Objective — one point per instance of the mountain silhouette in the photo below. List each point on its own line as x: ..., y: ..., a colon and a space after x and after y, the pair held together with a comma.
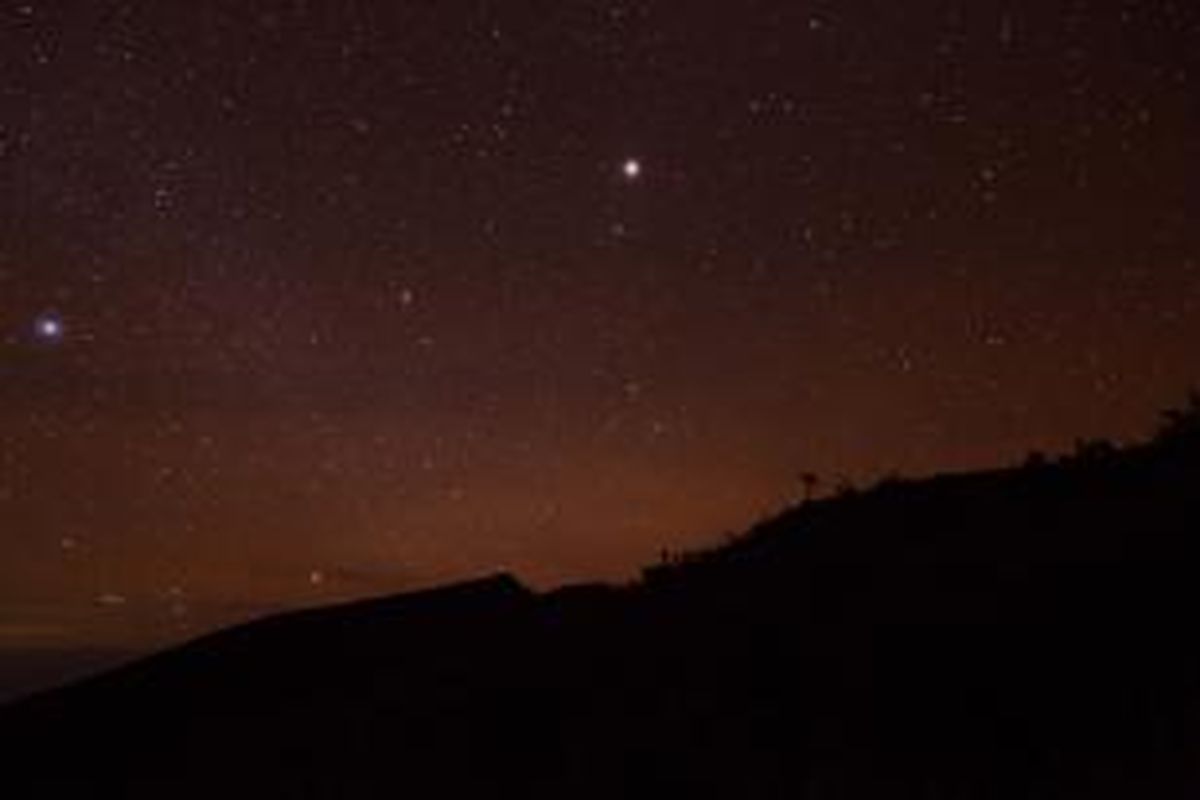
x: 1018, y: 633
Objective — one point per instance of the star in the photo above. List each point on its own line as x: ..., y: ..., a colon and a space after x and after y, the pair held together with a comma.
x: 111, y: 600
x: 631, y: 169
x: 49, y: 328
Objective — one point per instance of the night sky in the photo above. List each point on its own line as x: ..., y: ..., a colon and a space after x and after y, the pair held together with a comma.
x: 310, y: 300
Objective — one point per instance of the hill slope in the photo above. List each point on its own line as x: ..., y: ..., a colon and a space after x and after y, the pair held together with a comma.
x: 1018, y: 633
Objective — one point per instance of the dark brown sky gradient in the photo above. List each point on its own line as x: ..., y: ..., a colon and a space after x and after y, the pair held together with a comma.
x: 356, y: 296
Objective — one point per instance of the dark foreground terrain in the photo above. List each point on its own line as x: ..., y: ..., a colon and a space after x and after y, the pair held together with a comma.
x: 1024, y: 633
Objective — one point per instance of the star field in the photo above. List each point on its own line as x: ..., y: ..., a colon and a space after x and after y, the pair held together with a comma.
x: 303, y: 300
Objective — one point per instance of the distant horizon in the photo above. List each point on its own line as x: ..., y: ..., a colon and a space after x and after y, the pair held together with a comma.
x: 39, y: 668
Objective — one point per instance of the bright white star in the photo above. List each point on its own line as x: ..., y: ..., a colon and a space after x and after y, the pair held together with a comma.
x: 631, y: 169
x: 48, y: 328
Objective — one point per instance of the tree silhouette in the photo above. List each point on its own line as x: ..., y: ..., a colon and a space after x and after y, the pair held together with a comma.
x: 810, y: 481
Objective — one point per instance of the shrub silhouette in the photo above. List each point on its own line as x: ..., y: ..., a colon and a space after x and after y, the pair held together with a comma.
x: 1094, y: 451
x: 1181, y: 423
